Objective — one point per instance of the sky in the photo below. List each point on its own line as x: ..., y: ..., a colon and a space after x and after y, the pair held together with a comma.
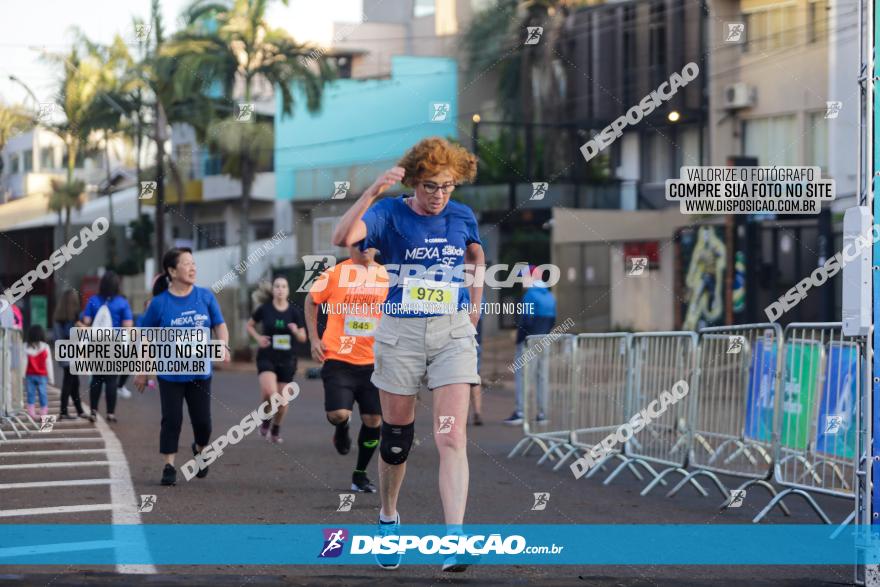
x: 28, y: 25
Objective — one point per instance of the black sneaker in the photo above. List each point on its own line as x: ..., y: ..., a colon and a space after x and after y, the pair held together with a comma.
x: 516, y: 419
x: 203, y: 472
x: 66, y: 416
x: 93, y: 417
x: 360, y: 483
x: 169, y: 475
x: 342, y: 439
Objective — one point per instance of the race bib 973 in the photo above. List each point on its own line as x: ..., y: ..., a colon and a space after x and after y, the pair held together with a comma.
x: 435, y: 297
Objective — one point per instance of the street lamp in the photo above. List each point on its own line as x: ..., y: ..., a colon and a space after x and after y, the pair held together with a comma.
x: 30, y: 92
x: 673, y: 116
x: 475, y: 133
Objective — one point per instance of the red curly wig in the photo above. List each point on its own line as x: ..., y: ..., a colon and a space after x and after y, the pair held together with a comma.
x: 434, y: 155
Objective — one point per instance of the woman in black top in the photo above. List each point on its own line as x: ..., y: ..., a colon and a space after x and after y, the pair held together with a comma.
x: 65, y: 316
x: 280, y: 322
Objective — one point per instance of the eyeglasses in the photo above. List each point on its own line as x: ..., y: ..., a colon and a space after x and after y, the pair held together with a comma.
x: 431, y: 187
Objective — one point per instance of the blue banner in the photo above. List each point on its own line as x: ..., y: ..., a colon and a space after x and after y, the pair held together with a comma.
x: 836, y: 429
x: 524, y: 544
x: 761, y: 393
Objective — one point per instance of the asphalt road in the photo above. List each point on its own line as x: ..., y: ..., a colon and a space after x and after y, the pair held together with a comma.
x: 298, y: 482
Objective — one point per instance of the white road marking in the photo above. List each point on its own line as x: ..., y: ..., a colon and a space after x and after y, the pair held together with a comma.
x: 122, y: 494
x: 45, y: 440
x: 50, y: 548
x: 49, y: 453
x: 67, y: 483
x: 54, y: 465
x: 89, y: 430
x: 58, y: 509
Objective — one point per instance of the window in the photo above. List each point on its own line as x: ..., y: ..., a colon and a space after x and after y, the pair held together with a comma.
x: 629, y: 54
x: 210, y: 235
x: 423, y: 8
x: 819, y: 16
x: 657, y: 43
x: 28, y: 160
x: 262, y: 229
x: 322, y: 235
x: 658, y: 158
x: 772, y: 140
x: 771, y: 28
x: 47, y: 158
x: 78, y: 164
x: 14, y: 166
x: 817, y: 143
x: 183, y: 158
x: 688, y: 152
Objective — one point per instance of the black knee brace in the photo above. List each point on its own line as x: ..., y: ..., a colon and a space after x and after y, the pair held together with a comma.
x: 396, y: 442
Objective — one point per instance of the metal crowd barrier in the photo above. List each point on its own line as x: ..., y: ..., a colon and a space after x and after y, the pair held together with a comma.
x: 733, y: 416
x: 817, y: 415
x: 12, y: 363
x: 659, y: 361
x: 763, y: 405
x: 547, y: 401
x: 601, y: 368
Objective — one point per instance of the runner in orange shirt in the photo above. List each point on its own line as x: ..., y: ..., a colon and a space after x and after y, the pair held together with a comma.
x: 352, y: 293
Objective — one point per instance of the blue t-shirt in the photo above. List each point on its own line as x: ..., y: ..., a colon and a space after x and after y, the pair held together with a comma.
x: 199, y: 309
x: 118, y: 306
x: 406, y: 238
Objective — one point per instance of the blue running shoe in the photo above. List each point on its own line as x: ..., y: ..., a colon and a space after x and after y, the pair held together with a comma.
x: 389, y: 561
x: 456, y: 563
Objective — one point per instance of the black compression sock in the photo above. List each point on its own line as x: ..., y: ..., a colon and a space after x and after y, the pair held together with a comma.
x: 276, y: 428
x: 368, y: 440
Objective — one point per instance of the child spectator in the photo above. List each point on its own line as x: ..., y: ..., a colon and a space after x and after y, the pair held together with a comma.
x: 39, y: 369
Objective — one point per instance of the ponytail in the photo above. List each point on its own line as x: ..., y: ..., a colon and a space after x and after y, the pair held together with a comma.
x: 161, y: 283
x: 169, y: 261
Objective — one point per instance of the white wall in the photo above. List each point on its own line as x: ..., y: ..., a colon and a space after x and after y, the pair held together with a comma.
x: 213, y: 264
x: 647, y: 301
x: 843, y: 131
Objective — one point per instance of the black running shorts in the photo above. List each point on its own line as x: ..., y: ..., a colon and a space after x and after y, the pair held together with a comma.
x: 345, y: 384
x: 283, y: 366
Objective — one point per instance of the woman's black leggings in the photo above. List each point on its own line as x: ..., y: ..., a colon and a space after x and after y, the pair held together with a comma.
x: 197, y: 394
x: 109, y: 382
x: 70, y: 391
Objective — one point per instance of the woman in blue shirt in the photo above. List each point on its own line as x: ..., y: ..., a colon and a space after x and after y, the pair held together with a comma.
x: 177, y: 302
x: 120, y: 315
x: 428, y: 325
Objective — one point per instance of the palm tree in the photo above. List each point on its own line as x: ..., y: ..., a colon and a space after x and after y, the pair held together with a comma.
x: 178, y: 96
x: 65, y: 196
x: 113, y: 108
x: 243, y: 49
x: 529, y: 76
x: 78, y: 87
x: 13, y: 120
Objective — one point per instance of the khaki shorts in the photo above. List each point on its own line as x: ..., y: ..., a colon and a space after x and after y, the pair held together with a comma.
x: 440, y: 350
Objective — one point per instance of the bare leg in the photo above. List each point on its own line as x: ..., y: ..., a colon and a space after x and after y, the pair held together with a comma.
x: 396, y: 410
x: 450, y: 437
x: 282, y: 409
x: 477, y: 399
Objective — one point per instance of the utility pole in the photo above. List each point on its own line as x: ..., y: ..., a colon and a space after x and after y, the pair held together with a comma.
x: 160, y: 185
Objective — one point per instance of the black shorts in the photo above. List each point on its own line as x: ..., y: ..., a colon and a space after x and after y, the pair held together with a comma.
x: 345, y: 384
x: 283, y: 366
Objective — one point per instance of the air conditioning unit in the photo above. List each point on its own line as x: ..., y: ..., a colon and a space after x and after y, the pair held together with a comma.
x: 739, y: 95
